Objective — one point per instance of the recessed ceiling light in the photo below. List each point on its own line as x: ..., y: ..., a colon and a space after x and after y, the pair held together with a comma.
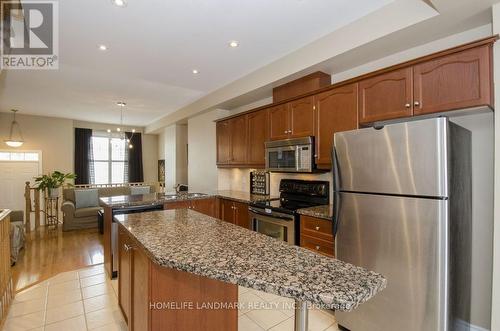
x: 195, y: 71
x: 234, y: 43
x: 119, y: 3
x: 103, y: 47
x: 121, y: 104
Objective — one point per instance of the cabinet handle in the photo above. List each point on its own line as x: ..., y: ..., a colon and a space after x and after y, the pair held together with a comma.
x: 407, y: 105
x: 416, y: 103
x: 315, y: 156
x: 127, y: 247
x: 317, y: 248
x: 317, y: 228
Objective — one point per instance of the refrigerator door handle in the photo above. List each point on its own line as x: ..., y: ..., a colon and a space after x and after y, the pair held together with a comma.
x: 336, y: 193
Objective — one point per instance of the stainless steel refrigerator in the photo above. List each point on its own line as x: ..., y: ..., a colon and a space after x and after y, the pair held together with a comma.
x: 403, y: 209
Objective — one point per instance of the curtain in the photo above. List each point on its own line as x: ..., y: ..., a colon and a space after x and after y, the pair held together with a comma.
x: 83, y: 156
x: 135, y: 172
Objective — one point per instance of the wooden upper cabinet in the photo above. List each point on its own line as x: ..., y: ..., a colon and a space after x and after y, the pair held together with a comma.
x: 223, y: 142
x: 386, y: 96
x: 459, y: 80
x: 336, y: 111
x: 279, y: 122
x: 258, y: 134
x: 301, y: 114
x: 238, y: 130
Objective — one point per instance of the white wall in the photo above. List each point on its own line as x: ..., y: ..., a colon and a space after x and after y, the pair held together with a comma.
x: 172, y: 146
x: 53, y: 136
x: 169, y: 136
x: 495, y: 313
x: 202, y: 170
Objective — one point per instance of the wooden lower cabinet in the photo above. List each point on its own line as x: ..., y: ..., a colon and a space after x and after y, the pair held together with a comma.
x: 316, y: 234
x: 234, y: 212
x: 204, y: 206
x: 125, y: 273
x: 145, y: 290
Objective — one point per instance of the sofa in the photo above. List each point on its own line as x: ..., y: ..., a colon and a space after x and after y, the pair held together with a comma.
x: 17, y: 237
x: 85, y: 217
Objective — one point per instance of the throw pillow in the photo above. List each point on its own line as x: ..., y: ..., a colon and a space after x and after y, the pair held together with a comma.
x: 140, y: 190
x: 86, y: 198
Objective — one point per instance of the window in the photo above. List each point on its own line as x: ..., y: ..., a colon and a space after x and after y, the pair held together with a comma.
x: 109, y: 160
x: 18, y: 156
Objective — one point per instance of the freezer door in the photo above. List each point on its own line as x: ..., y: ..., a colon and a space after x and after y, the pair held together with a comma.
x: 405, y: 158
x: 405, y: 240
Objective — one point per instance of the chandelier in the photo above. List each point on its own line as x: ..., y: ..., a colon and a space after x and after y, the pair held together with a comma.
x: 16, y: 136
x: 118, y: 132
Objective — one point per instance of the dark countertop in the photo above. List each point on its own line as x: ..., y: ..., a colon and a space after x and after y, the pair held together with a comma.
x: 324, y: 212
x: 121, y: 201
x: 189, y: 241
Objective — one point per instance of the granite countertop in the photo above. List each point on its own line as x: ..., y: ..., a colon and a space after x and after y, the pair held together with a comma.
x: 121, y: 201
x: 189, y: 241
x: 323, y: 211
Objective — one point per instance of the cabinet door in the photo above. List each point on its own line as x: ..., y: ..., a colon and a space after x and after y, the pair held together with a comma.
x: 258, y: 134
x: 336, y: 111
x: 386, y: 96
x: 124, y: 273
x: 227, y: 210
x: 279, y: 123
x: 223, y: 142
x: 302, y: 117
x: 241, y: 215
x: 238, y: 129
x: 204, y: 206
x: 140, y: 291
x: 176, y: 205
x: 459, y: 80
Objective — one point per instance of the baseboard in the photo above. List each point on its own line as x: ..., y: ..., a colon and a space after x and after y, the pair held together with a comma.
x: 461, y: 325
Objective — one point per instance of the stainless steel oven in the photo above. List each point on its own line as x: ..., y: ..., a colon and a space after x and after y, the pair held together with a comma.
x: 290, y: 155
x: 274, y: 224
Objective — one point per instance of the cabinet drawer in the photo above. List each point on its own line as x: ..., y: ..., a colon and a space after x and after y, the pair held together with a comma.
x: 317, y: 245
x: 316, y: 227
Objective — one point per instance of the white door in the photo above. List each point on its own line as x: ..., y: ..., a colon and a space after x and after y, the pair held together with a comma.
x: 13, y: 176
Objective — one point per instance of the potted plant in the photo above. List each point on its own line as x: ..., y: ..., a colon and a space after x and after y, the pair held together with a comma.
x: 53, y: 181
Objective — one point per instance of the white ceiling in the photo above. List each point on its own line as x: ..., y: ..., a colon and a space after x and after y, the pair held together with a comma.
x: 154, y: 45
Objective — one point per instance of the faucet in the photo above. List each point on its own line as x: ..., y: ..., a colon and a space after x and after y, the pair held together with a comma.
x: 181, y: 188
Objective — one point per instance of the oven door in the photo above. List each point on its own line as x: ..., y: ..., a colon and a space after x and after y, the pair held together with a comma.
x: 282, y: 158
x: 276, y: 225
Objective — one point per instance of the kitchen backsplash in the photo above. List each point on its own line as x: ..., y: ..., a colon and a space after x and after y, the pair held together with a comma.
x: 237, y: 179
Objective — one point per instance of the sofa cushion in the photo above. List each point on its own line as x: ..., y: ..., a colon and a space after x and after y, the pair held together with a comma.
x: 114, y: 191
x: 87, y: 211
x: 86, y: 198
x: 140, y: 190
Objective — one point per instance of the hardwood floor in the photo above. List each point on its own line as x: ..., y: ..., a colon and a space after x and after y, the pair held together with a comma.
x: 48, y: 253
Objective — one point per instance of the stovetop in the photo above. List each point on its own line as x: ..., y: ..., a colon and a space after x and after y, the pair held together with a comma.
x: 296, y: 194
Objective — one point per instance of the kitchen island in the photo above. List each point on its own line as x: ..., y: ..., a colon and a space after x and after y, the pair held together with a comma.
x: 187, y: 258
x: 225, y: 204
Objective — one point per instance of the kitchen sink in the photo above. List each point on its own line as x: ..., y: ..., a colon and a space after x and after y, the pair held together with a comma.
x: 196, y: 195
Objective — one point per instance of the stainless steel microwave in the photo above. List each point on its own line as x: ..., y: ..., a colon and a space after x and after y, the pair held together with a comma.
x: 290, y: 155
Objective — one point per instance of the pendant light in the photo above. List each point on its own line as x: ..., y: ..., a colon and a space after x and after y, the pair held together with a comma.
x: 15, y: 140
x: 119, y: 133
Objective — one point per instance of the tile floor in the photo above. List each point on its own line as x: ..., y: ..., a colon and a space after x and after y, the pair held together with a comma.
x: 86, y: 300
